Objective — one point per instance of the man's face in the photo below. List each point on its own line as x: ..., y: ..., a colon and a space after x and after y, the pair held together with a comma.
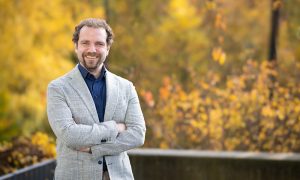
x: 92, y: 48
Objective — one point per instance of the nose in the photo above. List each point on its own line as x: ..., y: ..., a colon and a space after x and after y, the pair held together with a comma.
x: 92, y: 48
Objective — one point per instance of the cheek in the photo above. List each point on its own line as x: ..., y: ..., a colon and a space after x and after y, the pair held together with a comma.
x: 79, y: 54
x: 82, y: 53
x: 103, y: 52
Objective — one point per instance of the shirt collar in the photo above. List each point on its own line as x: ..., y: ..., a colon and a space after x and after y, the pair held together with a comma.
x: 85, y: 73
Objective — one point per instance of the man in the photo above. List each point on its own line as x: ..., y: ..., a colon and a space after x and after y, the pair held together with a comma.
x: 95, y: 114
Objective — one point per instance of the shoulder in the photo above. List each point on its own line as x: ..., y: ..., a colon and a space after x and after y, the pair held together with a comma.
x: 120, y: 80
x: 125, y: 86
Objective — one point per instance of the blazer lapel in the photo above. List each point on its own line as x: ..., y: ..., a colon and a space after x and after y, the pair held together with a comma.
x: 112, y: 95
x: 78, y: 83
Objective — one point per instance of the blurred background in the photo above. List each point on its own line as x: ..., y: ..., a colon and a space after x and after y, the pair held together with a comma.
x: 211, y: 74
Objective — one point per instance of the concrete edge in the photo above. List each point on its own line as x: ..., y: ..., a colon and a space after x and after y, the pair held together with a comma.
x: 216, y: 154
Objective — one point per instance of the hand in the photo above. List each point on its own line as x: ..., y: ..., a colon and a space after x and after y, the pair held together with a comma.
x: 121, y: 127
x: 86, y: 149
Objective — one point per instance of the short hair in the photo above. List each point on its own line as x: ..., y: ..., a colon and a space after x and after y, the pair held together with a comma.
x: 94, y: 23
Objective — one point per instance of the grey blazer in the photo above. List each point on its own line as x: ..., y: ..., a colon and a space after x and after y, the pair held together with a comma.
x: 73, y: 118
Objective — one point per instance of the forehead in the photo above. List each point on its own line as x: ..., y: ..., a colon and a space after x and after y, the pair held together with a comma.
x: 92, y: 34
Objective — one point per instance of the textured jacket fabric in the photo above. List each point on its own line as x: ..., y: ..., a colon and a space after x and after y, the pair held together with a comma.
x: 73, y: 118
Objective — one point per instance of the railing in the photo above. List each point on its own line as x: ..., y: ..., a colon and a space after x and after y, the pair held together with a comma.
x: 150, y: 164
x: 40, y: 171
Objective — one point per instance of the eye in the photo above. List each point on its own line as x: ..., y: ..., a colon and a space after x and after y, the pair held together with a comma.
x: 84, y: 43
x: 100, y: 44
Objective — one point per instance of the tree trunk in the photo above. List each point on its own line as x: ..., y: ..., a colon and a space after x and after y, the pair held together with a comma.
x: 107, y: 11
x: 275, y: 8
x: 275, y: 17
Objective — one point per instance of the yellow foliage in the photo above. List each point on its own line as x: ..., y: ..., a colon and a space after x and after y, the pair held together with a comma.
x: 219, y: 55
x: 240, y: 116
x: 44, y: 143
x: 268, y: 111
x: 219, y: 22
x: 277, y: 4
x: 183, y: 13
x: 25, y: 151
x: 210, y: 5
x: 37, y: 49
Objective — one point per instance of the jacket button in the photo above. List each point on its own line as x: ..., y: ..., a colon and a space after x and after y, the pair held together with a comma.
x: 99, y: 162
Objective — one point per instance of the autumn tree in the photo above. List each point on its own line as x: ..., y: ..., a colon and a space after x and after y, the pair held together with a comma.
x: 37, y: 49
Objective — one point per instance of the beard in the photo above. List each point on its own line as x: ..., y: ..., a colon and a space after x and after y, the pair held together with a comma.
x: 92, y: 61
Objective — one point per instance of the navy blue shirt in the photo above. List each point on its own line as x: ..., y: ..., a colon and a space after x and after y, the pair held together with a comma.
x: 97, y: 89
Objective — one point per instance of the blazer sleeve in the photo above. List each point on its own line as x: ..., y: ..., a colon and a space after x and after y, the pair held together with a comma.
x: 132, y: 137
x: 65, y: 128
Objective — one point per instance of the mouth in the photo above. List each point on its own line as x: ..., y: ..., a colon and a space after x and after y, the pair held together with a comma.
x: 91, y: 57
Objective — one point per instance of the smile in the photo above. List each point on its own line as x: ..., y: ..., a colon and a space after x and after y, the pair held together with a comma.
x: 91, y: 57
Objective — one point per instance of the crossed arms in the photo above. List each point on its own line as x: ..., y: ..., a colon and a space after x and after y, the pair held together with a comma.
x: 120, y: 128
x: 107, y: 138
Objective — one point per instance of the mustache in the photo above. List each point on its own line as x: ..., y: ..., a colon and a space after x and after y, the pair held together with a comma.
x: 91, y: 54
